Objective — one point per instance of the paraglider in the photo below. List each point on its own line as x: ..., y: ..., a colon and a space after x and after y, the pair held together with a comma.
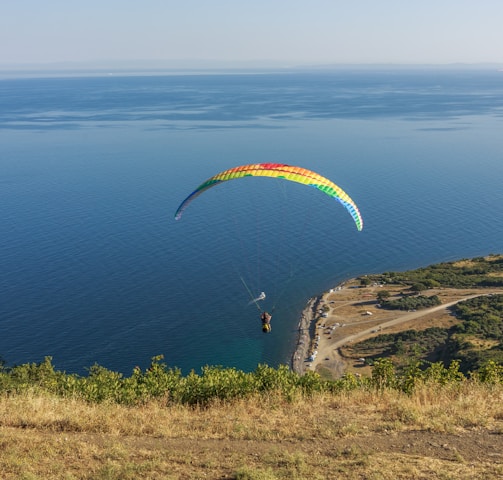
x: 266, y: 322
x: 278, y: 170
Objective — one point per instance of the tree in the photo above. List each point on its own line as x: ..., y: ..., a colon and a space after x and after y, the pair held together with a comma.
x: 383, y: 295
x: 418, y: 287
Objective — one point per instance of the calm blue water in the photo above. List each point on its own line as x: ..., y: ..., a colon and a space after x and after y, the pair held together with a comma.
x: 94, y: 268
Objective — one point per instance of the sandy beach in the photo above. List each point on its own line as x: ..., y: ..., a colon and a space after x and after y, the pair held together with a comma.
x: 331, y: 322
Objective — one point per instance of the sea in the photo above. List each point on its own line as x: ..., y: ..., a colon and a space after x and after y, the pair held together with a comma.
x: 94, y: 268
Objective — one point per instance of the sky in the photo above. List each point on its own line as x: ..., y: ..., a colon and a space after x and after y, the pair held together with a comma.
x: 282, y: 32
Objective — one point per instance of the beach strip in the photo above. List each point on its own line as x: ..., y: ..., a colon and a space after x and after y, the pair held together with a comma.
x: 306, y: 329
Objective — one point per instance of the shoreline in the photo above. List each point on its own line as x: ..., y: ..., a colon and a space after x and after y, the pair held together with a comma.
x: 306, y: 323
x: 306, y: 328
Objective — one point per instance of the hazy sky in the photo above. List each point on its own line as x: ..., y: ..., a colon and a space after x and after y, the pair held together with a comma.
x: 284, y: 31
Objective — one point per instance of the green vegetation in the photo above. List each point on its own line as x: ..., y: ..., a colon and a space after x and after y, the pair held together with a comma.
x: 410, y: 343
x: 477, y: 272
x: 411, y: 303
x: 220, y: 384
x: 478, y: 338
x: 481, y: 316
x: 158, y: 381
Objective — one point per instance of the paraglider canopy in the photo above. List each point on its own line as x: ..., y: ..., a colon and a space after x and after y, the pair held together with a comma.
x: 278, y: 170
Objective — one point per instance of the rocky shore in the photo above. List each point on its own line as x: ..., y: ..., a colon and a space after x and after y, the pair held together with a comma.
x: 306, y: 327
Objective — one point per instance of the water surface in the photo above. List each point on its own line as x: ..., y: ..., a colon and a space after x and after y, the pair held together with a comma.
x: 94, y: 268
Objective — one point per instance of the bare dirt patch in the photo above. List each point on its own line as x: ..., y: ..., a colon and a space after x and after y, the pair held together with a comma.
x: 403, y: 454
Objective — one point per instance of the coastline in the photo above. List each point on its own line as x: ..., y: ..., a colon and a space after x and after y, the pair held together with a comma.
x: 306, y: 328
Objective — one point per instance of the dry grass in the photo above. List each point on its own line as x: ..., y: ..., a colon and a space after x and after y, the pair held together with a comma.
x: 454, y: 432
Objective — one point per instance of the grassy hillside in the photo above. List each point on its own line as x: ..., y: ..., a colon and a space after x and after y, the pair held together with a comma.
x: 268, y: 424
x: 439, y: 430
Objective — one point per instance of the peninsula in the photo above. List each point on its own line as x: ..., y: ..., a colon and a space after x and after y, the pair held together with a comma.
x: 333, y: 323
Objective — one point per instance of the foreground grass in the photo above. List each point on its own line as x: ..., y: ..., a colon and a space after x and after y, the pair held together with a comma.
x: 449, y: 431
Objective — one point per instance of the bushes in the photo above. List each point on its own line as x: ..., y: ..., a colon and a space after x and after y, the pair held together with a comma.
x: 160, y: 382
x: 478, y: 272
x: 411, y: 303
x: 384, y: 375
x: 481, y: 316
x: 30, y: 376
x: 224, y: 384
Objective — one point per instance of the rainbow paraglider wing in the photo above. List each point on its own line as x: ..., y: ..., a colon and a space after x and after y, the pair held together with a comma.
x: 278, y: 170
